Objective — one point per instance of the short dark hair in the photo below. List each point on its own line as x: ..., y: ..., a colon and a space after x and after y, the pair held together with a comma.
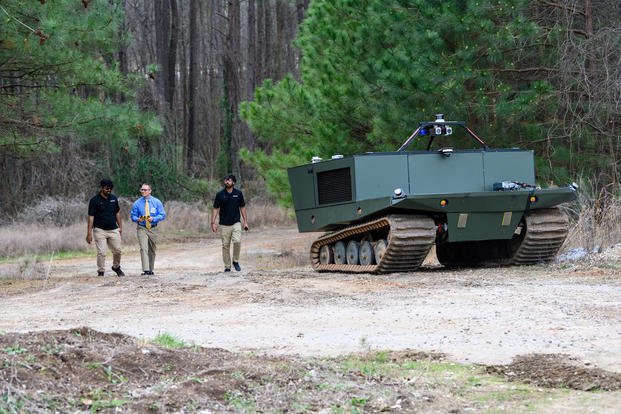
x: 231, y: 177
x: 106, y: 182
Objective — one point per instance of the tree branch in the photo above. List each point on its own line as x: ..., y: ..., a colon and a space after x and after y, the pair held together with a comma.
x: 574, y: 10
x: 524, y: 70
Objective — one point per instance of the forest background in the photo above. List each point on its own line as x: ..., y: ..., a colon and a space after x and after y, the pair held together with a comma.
x: 180, y: 92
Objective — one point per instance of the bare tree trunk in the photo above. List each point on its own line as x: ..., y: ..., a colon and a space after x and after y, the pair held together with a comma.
x: 268, y: 60
x: 232, y: 52
x: 280, y: 55
x: 193, y: 82
x: 251, y: 46
x: 214, y: 94
x: 301, y: 7
x: 172, y: 54
x: 251, y: 66
x: 260, y: 42
x: 166, y: 21
x: 162, y: 37
x: 588, y: 26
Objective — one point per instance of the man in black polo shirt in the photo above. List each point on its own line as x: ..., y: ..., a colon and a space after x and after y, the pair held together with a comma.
x: 104, y: 224
x: 229, y: 204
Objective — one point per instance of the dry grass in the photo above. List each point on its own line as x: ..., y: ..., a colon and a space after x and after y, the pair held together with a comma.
x: 596, y: 222
x: 55, y: 226
x: 197, y: 216
x: 55, y: 211
x: 29, y: 248
x: 41, y: 239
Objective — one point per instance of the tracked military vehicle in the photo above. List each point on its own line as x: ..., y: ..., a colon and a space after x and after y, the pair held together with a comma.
x: 384, y: 211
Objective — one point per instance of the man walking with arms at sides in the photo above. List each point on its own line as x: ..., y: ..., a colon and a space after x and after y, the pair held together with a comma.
x: 147, y: 211
x: 104, y: 224
x: 229, y: 205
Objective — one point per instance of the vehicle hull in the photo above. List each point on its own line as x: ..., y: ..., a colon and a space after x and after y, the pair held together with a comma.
x: 472, y: 198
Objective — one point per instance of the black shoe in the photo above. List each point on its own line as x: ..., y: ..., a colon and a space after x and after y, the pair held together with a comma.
x: 118, y: 271
x: 100, y: 273
x: 236, y: 266
x: 146, y: 273
x: 227, y: 269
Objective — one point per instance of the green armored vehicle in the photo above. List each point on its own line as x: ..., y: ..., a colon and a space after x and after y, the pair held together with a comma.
x: 384, y: 211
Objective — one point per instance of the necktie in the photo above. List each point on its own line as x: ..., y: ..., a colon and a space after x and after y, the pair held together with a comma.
x: 147, y: 224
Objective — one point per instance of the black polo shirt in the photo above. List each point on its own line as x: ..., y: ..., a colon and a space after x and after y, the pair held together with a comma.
x: 229, y: 204
x: 104, y: 211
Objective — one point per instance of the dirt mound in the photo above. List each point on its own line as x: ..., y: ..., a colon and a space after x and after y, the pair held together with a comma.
x: 557, y: 371
x: 82, y: 370
x: 86, y: 369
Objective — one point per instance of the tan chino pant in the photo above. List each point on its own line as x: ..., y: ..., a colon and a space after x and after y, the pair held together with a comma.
x: 107, y: 238
x: 147, y: 239
x: 230, y: 235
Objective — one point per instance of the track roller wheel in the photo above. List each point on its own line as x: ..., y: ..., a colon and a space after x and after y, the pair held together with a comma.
x: 340, y: 254
x: 353, y: 252
x: 326, y: 255
x: 367, y: 257
x: 379, y: 249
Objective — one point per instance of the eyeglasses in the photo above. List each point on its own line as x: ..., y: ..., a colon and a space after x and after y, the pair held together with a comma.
x: 145, y: 189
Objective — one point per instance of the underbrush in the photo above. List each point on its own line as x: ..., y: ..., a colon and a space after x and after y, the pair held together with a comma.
x: 196, y: 217
x: 595, y: 222
x: 57, y: 227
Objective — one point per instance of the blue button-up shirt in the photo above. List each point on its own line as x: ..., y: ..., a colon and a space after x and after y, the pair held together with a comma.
x: 156, y: 211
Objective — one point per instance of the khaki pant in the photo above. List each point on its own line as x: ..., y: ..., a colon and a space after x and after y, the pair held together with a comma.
x: 230, y: 235
x: 147, y: 239
x: 111, y: 239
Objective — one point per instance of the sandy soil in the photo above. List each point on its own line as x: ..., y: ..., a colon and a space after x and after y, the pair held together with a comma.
x: 277, y: 305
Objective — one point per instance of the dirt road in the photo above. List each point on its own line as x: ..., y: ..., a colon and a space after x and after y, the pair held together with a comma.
x: 277, y: 305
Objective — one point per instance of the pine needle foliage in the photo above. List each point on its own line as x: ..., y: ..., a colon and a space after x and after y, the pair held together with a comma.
x: 372, y: 69
x: 59, y: 81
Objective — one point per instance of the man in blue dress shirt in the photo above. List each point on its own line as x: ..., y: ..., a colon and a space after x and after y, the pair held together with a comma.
x: 147, y: 211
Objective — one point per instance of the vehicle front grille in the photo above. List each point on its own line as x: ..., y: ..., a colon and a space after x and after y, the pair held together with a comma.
x: 334, y: 186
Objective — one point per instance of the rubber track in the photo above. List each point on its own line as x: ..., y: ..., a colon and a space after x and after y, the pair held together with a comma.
x: 546, y: 231
x: 410, y: 238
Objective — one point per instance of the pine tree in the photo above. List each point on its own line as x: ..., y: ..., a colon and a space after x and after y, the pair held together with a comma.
x: 60, y: 84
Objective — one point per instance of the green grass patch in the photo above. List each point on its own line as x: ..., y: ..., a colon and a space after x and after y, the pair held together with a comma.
x: 42, y: 258
x: 98, y: 399
x: 169, y: 341
x: 239, y: 401
x: 15, y: 350
x: 369, y: 365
